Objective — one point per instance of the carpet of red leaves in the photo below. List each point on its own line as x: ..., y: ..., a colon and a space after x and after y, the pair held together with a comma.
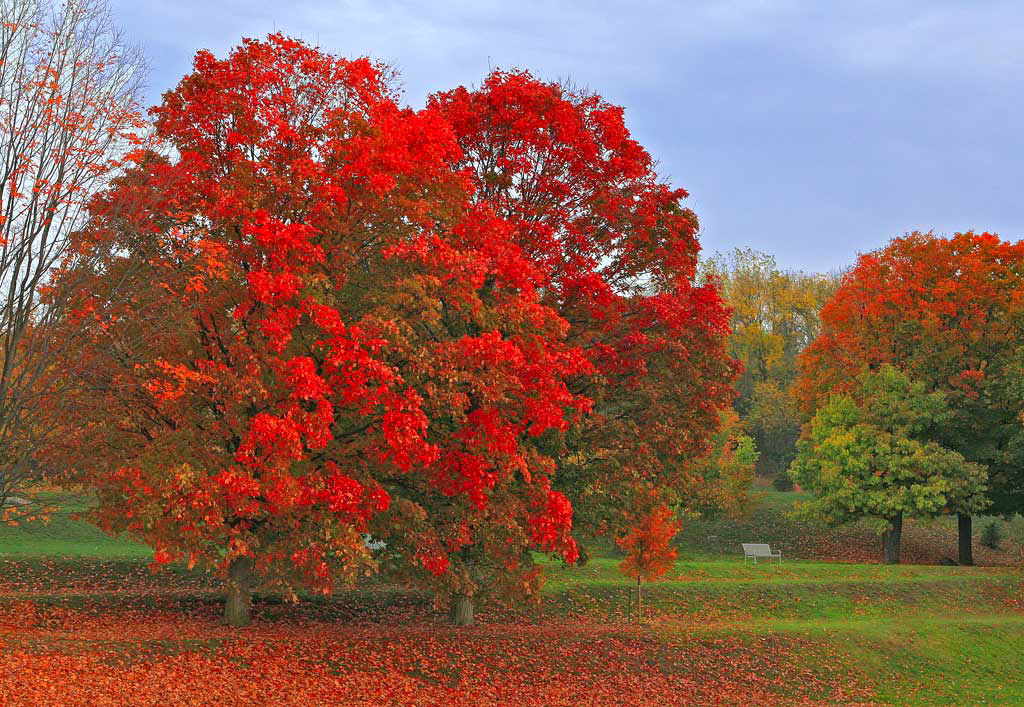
x: 120, y: 647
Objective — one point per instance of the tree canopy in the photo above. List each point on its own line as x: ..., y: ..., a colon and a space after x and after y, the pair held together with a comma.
x: 774, y: 316
x: 947, y: 311
x: 620, y: 255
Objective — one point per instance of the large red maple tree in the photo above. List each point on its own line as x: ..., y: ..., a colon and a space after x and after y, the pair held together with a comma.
x: 323, y: 329
x: 343, y: 321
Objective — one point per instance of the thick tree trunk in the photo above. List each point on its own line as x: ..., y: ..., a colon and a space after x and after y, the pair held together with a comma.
x: 966, y: 554
x: 238, y: 605
x: 461, y: 613
x: 891, y: 541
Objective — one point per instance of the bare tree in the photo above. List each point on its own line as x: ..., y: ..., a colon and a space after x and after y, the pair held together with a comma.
x: 69, y: 88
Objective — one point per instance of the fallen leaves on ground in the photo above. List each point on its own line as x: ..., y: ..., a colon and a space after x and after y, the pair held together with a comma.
x: 172, y: 650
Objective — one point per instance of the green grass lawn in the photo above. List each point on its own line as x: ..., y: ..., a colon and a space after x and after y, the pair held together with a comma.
x: 929, y: 635
x: 64, y: 535
x: 914, y: 635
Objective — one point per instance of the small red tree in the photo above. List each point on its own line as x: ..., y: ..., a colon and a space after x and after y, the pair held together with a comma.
x: 648, y: 546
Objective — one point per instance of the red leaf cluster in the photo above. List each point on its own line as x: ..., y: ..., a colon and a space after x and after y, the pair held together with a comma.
x: 939, y: 308
x: 648, y: 545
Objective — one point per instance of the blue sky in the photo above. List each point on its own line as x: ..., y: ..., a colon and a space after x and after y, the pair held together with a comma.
x: 809, y: 129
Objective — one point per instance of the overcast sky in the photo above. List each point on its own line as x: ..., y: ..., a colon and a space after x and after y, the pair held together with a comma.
x: 807, y: 129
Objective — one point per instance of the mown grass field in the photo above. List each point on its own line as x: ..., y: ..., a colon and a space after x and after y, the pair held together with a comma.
x: 83, y: 621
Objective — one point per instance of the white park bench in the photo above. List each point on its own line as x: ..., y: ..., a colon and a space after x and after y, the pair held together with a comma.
x: 373, y: 544
x: 756, y: 550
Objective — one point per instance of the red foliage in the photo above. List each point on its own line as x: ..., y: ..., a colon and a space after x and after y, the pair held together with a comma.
x: 322, y: 334
x: 618, y: 253
x: 936, y: 308
x: 648, y: 545
x: 349, y: 317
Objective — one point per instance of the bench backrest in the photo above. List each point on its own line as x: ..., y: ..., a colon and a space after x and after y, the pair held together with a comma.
x: 757, y: 550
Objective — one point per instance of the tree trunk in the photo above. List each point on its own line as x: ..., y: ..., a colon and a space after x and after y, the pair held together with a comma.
x: 238, y: 605
x: 891, y: 541
x: 966, y: 554
x: 461, y: 613
x: 639, y: 602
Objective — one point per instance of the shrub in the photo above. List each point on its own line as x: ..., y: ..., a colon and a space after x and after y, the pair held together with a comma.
x: 992, y: 534
x: 782, y: 482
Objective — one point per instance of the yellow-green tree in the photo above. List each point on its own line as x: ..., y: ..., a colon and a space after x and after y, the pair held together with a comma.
x: 774, y: 316
x: 719, y: 481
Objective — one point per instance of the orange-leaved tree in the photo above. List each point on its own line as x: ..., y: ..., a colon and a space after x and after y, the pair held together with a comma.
x: 947, y: 313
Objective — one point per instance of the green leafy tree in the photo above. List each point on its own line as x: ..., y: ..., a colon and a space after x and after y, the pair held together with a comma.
x: 867, y: 455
